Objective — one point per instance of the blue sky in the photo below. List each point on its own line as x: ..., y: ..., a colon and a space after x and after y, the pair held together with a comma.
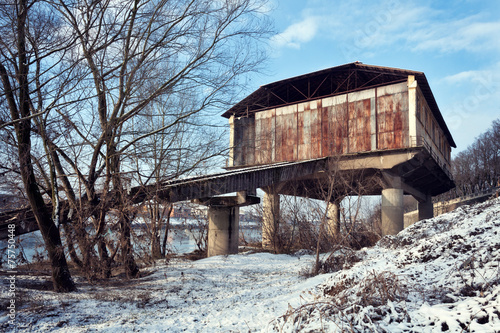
x: 455, y: 43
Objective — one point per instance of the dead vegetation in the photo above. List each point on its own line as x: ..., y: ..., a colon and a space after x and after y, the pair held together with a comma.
x: 421, y: 277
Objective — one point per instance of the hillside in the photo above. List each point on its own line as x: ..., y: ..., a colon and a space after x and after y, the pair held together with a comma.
x: 441, y: 274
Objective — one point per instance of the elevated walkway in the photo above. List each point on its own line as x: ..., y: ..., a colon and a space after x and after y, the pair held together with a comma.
x: 392, y: 173
x: 200, y: 187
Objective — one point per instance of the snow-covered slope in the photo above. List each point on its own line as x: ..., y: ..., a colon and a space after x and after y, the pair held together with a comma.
x: 441, y: 274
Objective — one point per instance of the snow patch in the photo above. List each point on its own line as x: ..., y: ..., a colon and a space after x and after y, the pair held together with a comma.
x: 441, y: 274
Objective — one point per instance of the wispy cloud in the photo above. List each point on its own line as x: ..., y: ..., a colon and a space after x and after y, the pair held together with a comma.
x: 487, y: 78
x: 297, y: 34
x: 367, y: 27
x: 467, y: 34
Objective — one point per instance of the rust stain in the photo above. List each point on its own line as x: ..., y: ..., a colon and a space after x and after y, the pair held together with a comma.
x: 322, y: 129
x: 315, y: 132
x: 325, y: 132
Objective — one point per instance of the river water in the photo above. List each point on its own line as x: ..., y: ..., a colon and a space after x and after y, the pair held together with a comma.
x: 182, y: 239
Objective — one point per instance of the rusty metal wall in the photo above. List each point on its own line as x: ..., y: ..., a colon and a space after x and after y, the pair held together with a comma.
x: 360, y: 121
x: 265, y: 136
x: 392, y: 117
x: 429, y: 130
x: 244, y: 142
x: 359, y: 126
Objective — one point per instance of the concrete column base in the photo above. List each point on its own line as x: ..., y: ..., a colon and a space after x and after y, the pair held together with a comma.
x: 333, y: 214
x: 392, y: 211
x: 271, y: 207
x: 426, y: 209
x: 223, y: 230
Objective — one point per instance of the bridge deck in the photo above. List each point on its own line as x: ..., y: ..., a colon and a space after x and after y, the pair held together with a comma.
x: 416, y: 166
x: 190, y: 188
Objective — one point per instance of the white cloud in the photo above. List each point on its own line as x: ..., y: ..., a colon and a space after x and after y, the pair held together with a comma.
x: 297, y: 34
x: 474, y: 103
x: 369, y: 26
x: 459, y: 35
x: 488, y: 77
x: 462, y: 77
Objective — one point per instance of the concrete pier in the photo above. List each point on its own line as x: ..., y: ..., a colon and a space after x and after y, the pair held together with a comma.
x: 426, y: 209
x: 223, y: 230
x: 271, y: 213
x: 392, y: 211
x: 224, y: 221
x: 333, y: 213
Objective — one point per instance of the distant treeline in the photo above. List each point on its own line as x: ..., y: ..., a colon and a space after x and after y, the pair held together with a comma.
x: 477, y: 168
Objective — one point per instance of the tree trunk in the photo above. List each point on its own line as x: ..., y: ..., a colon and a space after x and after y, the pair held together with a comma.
x: 167, y: 228
x: 105, y: 259
x: 131, y: 268
x: 61, y: 277
x: 71, y: 248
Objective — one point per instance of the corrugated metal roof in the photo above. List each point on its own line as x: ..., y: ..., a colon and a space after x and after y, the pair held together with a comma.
x: 329, y: 82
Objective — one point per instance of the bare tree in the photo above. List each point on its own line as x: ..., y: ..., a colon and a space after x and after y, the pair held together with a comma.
x: 478, y: 166
x: 186, y: 147
x: 111, y: 64
x: 22, y: 51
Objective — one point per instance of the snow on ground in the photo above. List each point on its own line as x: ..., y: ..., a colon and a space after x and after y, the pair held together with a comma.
x: 237, y: 293
x: 442, y: 274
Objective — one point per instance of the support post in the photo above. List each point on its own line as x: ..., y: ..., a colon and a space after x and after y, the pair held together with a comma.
x: 271, y: 206
x: 223, y: 230
x: 412, y: 110
x: 426, y: 209
x: 232, y: 142
x: 392, y: 211
x: 333, y: 213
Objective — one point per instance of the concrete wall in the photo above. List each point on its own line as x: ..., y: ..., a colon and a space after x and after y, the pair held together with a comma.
x: 444, y: 207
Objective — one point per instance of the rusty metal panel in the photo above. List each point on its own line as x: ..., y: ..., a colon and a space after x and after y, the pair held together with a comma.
x: 249, y: 139
x: 304, y: 131
x: 359, y: 120
x: 259, y: 130
x: 289, y: 143
x: 338, y: 127
x: 359, y: 126
x: 326, y: 137
x: 278, y: 148
x: 244, y: 141
x: 404, y: 105
x: 385, y: 121
x: 264, y: 136
x: 237, y: 142
x: 286, y: 147
x: 392, y: 120
x: 393, y: 89
x: 315, y: 129
x: 337, y: 123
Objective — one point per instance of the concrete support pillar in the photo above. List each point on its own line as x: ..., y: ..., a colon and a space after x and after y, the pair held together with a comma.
x: 333, y: 218
x: 223, y: 230
x: 271, y: 206
x: 232, y: 142
x: 392, y: 211
x: 426, y: 209
x: 412, y: 110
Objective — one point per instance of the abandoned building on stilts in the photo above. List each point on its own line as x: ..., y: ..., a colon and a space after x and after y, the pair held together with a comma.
x: 347, y: 130
x: 380, y: 125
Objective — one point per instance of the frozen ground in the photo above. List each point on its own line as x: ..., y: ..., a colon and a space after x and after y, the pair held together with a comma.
x: 441, y: 274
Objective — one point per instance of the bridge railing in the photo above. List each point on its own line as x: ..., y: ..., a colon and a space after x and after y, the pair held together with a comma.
x: 420, y: 141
